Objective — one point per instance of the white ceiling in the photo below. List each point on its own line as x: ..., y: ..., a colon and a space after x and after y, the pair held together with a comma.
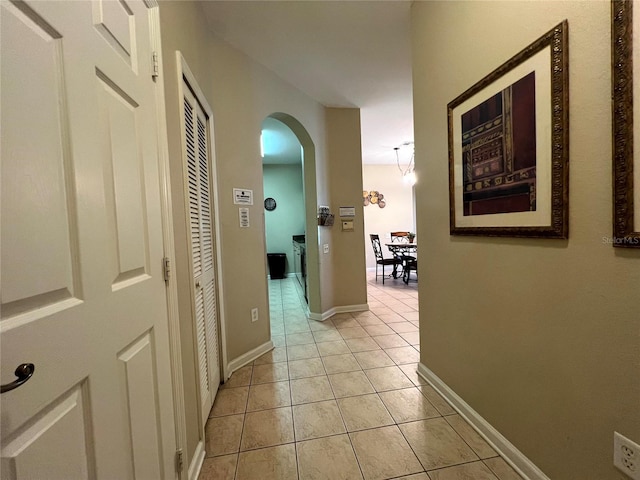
x: 341, y: 53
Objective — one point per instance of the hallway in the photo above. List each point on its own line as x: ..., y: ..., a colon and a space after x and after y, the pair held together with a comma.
x: 340, y: 399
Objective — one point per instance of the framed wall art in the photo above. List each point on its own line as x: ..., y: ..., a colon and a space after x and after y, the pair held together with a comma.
x: 509, y: 146
x: 626, y: 106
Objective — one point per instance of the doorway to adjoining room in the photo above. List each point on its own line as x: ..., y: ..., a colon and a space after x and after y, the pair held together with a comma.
x: 289, y: 194
x: 389, y: 206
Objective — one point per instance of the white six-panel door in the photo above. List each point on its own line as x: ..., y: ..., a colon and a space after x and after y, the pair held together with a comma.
x: 82, y: 288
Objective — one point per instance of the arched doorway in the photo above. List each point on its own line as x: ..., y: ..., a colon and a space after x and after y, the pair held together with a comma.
x: 288, y: 129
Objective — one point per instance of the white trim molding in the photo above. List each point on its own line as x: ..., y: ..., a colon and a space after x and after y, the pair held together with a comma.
x: 173, y: 314
x: 287, y: 275
x: 514, y: 457
x: 321, y: 317
x: 197, y: 461
x: 250, y: 356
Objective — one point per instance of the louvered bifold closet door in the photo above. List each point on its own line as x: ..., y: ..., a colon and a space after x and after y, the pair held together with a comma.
x: 208, y: 270
x: 200, y: 225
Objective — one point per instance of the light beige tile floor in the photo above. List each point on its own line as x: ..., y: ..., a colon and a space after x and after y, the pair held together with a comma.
x: 341, y: 399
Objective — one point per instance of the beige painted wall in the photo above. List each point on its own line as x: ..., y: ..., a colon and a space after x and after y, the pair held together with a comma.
x: 541, y: 337
x: 396, y: 216
x: 182, y: 30
x: 344, y: 155
x: 242, y: 94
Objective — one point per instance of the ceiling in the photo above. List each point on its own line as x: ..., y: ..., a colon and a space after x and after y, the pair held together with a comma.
x: 341, y: 53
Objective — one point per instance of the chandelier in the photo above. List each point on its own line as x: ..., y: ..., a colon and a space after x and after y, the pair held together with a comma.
x: 408, y: 173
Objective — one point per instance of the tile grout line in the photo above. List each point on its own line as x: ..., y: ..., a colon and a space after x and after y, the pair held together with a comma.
x: 326, y: 374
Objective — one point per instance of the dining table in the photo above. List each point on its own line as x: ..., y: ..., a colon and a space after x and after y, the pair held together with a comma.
x: 404, y: 251
x: 398, y: 249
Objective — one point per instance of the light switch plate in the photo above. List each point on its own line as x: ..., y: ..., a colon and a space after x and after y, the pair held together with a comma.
x: 347, y: 225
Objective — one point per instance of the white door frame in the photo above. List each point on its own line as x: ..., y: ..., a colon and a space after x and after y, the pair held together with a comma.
x: 184, y: 73
x: 168, y: 238
x: 168, y: 232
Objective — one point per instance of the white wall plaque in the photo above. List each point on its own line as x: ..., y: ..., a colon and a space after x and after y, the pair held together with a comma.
x: 242, y: 196
x: 243, y: 214
x: 347, y: 211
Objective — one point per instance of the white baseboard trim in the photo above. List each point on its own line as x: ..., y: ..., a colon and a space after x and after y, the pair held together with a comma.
x: 318, y: 317
x: 196, y: 462
x: 286, y: 275
x: 514, y: 457
x: 321, y: 317
x: 250, y: 356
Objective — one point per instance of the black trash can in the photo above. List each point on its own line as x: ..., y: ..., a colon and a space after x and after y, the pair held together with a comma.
x: 276, y: 265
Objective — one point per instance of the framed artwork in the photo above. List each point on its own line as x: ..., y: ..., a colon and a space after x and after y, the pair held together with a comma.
x: 626, y: 178
x: 509, y: 146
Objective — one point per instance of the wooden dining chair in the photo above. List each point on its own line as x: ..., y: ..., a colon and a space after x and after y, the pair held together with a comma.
x: 400, y: 237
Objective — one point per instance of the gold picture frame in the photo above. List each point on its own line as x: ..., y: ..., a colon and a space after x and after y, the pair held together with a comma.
x: 626, y: 179
x: 509, y: 146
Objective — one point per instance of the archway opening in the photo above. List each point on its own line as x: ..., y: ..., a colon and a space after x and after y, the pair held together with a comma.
x: 289, y: 178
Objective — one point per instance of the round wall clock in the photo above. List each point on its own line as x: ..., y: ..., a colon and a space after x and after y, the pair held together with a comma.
x: 270, y: 204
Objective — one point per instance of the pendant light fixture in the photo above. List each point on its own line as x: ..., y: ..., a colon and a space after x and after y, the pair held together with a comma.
x: 408, y: 173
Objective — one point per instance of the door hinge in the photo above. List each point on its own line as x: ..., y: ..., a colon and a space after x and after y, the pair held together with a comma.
x: 179, y: 460
x: 166, y: 268
x: 156, y: 68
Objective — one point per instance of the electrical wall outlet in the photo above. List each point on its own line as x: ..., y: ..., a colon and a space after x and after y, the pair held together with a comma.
x: 626, y: 456
x: 325, y: 248
x: 254, y: 314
